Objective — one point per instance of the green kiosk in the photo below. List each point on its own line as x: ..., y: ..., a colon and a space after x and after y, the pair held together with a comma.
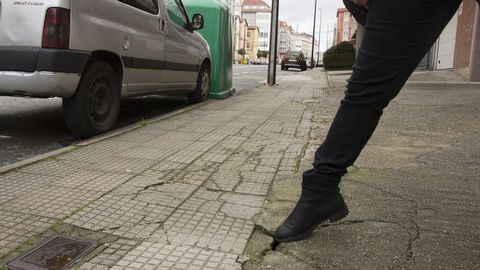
x: 218, y: 33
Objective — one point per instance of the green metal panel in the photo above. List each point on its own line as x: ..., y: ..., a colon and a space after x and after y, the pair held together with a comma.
x: 218, y: 33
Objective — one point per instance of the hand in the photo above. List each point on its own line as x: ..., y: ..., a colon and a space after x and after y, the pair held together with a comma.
x: 363, y: 3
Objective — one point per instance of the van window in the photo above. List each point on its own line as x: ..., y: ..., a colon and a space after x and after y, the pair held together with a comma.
x: 176, y: 13
x: 150, y: 6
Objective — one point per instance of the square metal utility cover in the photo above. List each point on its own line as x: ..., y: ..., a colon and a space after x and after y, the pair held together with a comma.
x: 57, y: 253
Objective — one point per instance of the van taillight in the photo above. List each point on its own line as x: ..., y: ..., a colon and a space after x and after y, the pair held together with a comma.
x: 56, y: 30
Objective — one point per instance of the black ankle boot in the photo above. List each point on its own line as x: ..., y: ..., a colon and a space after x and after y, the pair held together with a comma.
x: 311, y: 210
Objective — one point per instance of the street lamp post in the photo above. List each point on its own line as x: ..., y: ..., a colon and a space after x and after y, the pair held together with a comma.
x: 313, y: 40
x: 272, y: 64
x: 319, y: 34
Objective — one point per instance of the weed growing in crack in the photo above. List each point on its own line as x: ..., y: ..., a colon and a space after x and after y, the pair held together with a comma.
x: 143, y: 123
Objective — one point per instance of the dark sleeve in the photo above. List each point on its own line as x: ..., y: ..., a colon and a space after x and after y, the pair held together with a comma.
x: 359, y: 13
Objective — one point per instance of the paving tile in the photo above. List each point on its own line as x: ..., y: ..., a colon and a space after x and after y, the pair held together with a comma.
x: 124, y: 216
x: 57, y: 167
x: 203, y: 200
x: 243, y: 199
x: 170, y: 194
x: 50, y: 202
x: 240, y: 211
x: 212, y: 231
x: 186, y: 156
x: 258, y: 177
x: 224, y: 180
x: 112, y: 254
x: 147, y: 153
x: 253, y: 188
x: 17, y: 228
x: 16, y: 183
x: 160, y: 256
x: 123, y: 165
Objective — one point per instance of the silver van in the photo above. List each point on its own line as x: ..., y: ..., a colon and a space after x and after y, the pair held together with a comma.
x: 93, y: 53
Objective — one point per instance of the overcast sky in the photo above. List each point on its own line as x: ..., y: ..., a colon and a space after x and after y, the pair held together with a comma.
x: 300, y: 12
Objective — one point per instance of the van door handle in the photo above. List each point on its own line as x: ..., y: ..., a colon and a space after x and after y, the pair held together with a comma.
x: 163, y: 26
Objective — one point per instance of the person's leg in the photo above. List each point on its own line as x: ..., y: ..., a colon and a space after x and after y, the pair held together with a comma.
x: 397, y: 36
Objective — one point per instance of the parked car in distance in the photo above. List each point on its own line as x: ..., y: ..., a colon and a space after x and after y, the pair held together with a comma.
x: 261, y: 61
x: 294, y: 59
x: 94, y: 53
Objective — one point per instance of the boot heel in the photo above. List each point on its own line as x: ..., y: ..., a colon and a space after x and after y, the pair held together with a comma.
x: 339, y: 216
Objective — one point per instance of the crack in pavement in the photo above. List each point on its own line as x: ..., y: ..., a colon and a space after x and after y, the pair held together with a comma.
x: 413, y: 236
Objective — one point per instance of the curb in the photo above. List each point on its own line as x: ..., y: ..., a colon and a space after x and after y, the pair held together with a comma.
x: 102, y: 137
x: 442, y: 83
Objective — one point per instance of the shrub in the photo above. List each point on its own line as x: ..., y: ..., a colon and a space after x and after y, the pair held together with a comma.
x: 341, y: 56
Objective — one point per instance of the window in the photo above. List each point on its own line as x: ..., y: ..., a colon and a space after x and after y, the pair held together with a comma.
x: 248, y: 34
x: 150, y: 6
x: 176, y: 12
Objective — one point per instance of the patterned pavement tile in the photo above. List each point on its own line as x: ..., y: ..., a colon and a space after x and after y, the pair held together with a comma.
x: 212, y: 231
x: 121, y: 215
x: 240, y: 211
x: 57, y: 167
x: 16, y: 228
x: 203, y: 200
x: 50, y: 202
x: 253, y: 188
x: 258, y: 177
x: 170, y: 194
x: 112, y: 254
x: 243, y: 199
x: 224, y: 180
x: 145, y: 152
x: 163, y: 257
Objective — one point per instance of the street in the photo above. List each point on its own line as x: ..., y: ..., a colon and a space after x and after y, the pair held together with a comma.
x: 30, y: 127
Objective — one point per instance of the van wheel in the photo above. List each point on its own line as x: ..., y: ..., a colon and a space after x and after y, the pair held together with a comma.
x: 95, y: 106
x: 203, y: 86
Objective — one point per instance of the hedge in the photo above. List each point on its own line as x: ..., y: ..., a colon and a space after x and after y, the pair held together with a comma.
x: 339, y: 61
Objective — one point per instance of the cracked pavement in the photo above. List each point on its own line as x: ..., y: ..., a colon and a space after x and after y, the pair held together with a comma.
x: 413, y: 194
x: 178, y: 193
x: 204, y: 188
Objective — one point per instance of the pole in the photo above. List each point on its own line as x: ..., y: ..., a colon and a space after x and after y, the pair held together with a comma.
x: 313, y: 39
x: 474, y: 75
x: 272, y: 64
x: 244, y: 42
x: 326, y: 48
x: 319, y: 35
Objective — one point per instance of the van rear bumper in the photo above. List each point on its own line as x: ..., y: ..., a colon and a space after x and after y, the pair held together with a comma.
x: 41, y: 84
x: 31, y: 59
x: 38, y: 72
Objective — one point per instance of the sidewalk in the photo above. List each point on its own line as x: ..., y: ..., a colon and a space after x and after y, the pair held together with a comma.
x: 202, y: 188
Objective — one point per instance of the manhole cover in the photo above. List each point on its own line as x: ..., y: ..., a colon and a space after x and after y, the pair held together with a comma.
x: 56, y: 253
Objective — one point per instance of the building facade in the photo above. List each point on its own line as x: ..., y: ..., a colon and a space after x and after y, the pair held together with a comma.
x: 241, y: 31
x: 258, y: 13
x: 454, y: 47
x: 343, y: 27
x: 252, y: 48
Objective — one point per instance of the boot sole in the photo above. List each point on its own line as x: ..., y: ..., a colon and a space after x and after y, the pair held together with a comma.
x: 332, y: 219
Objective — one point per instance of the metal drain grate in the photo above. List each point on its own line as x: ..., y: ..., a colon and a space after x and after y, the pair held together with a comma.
x: 57, y: 253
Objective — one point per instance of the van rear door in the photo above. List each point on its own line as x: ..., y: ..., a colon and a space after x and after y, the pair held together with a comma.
x: 22, y: 21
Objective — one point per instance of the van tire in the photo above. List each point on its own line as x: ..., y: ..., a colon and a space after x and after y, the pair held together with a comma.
x: 95, y: 106
x: 202, y: 90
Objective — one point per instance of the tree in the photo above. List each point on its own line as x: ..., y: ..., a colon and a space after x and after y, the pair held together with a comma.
x: 241, y: 52
x: 262, y: 54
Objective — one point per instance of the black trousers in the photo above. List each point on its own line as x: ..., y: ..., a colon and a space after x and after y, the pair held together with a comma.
x: 398, y: 34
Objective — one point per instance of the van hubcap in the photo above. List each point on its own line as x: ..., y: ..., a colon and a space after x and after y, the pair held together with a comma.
x: 100, y: 100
